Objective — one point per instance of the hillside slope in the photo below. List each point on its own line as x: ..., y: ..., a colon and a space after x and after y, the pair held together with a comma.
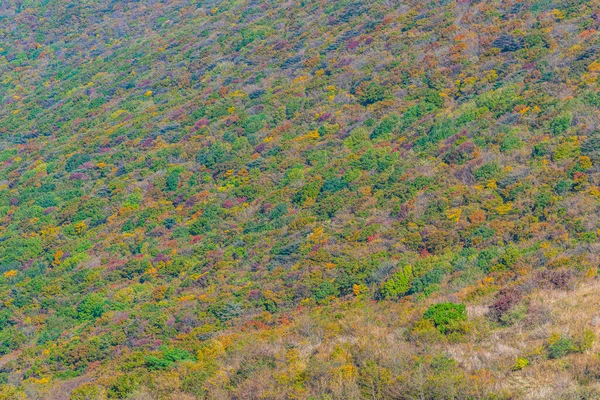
x: 302, y: 199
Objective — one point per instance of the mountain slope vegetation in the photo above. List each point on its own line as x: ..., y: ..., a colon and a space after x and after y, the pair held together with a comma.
x: 303, y: 199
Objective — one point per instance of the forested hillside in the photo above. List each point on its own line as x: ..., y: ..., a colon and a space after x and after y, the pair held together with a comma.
x: 325, y: 200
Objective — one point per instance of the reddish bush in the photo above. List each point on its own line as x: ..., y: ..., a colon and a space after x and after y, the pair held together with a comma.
x: 507, y: 299
x: 555, y: 279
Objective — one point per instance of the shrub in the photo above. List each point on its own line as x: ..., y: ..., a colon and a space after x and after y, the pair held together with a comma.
x: 206, y: 222
x: 11, y: 339
x: 565, y: 150
x: 585, y: 341
x: 173, y: 181
x: 174, y: 354
x: 521, y: 363
x: 561, y: 123
x: 385, y: 127
x: 487, y: 258
x: 506, y: 300
x: 508, y: 43
x: 559, y: 346
x: 431, y: 277
x: 511, y: 142
x: 226, y: 312
x: 122, y: 387
x: 279, y: 211
x: 5, y: 321
x: 371, y: 93
x: 10, y: 392
x: 91, y: 307
x: 357, y: 138
x: 511, y: 256
x: 591, y: 147
x: 555, y: 279
x: 215, y: 154
x: 424, y: 331
x: 541, y: 149
x: 399, y: 284
x: 88, y: 391
x: 76, y: 160
x: 193, y: 382
x: 324, y: 291
x: 487, y: 171
x: 334, y: 185
x: 255, y: 123
x: 154, y: 363
x: 446, y: 316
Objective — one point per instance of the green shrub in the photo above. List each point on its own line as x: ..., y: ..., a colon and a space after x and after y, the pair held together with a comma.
x: 561, y: 123
x: 91, y: 307
x: 88, y: 392
x: 565, y: 150
x: 357, y: 139
x: 487, y: 171
x: 334, y: 184
x: 226, y: 312
x: 385, y: 127
x: 11, y: 339
x: 154, y: 363
x: 173, y: 181
x: 559, y: 347
x: 372, y: 93
x: 325, y: 290
x: 123, y: 386
x: 255, y: 123
x: 446, y: 316
x: 541, y: 149
x: 214, y: 154
x: 520, y: 364
x: 511, y: 142
x: 399, y: 284
x: 76, y: 160
x: 431, y: 277
x: 585, y: 341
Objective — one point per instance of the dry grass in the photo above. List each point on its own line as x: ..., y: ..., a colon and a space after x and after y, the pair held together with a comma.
x: 571, y: 311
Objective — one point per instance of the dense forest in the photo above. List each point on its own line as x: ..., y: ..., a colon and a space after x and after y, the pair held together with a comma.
x: 302, y: 199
